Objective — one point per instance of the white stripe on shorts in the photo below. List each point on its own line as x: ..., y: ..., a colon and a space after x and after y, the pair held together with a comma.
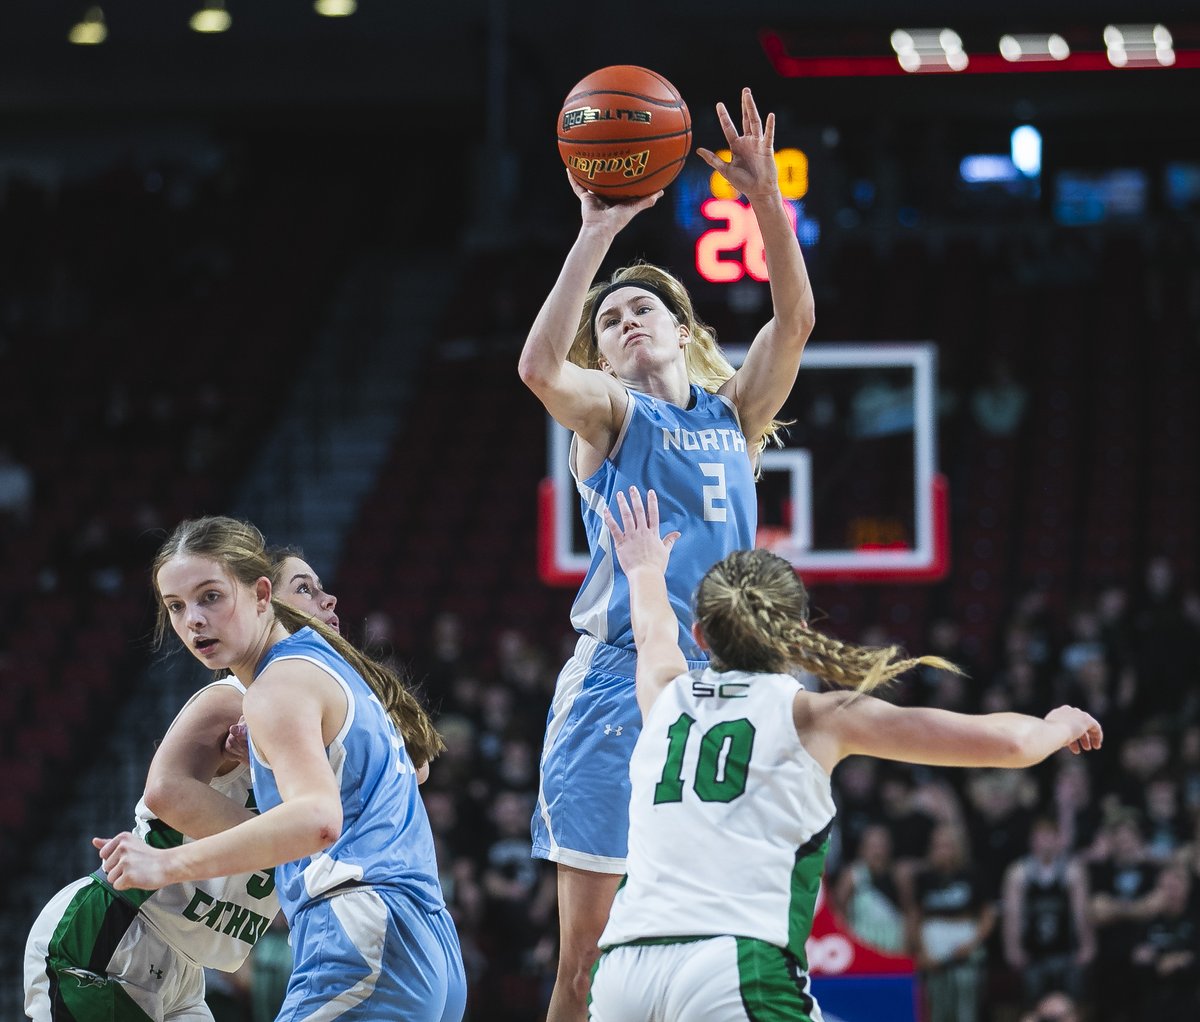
x: 566, y: 691
x: 364, y: 917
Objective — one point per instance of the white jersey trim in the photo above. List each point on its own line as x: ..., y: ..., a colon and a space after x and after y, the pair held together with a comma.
x: 221, y: 782
x: 566, y: 691
x: 573, y: 451
x: 587, y: 861
x: 346, y: 689
x: 593, y: 600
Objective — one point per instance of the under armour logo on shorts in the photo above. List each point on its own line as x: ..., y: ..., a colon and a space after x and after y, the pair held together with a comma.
x: 613, y: 729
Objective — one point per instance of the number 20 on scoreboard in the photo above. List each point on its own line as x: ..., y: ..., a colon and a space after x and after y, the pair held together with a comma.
x: 726, y: 253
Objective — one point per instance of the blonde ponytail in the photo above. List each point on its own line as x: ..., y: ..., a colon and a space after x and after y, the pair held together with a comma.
x: 753, y: 611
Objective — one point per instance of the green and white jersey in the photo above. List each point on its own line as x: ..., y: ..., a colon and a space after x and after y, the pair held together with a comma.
x: 729, y: 816
x: 213, y: 923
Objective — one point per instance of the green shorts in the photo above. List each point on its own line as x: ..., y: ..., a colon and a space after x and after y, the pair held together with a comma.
x: 91, y: 957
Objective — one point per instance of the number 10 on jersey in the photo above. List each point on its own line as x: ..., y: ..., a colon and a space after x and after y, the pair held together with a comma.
x: 721, y: 767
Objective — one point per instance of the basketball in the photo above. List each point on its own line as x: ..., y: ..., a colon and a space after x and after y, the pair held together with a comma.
x: 624, y: 132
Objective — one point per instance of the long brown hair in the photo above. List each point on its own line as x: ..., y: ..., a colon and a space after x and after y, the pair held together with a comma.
x: 707, y: 365
x: 240, y: 547
x: 753, y: 611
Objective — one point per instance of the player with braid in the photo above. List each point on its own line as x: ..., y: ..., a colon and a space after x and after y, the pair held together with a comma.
x: 731, y: 809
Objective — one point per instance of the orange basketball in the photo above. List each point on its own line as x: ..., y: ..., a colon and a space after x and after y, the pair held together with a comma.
x: 624, y: 132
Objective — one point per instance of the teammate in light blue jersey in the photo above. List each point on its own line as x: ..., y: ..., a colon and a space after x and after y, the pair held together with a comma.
x: 101, y: 954
x: 628, y: 367
x: 335, y: 744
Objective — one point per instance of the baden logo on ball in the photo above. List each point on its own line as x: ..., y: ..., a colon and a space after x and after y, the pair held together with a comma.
x: 624, y: 132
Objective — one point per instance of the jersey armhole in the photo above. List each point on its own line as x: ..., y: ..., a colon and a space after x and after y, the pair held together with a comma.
x: 732, y: 409
x: 572, y: 455
x: 228, y: 682
x: 791, y: 718
x: 346, y: 691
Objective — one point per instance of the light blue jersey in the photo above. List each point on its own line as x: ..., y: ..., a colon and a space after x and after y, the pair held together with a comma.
x: 385, y: 837
x: 370, y: 932
x: 695, y: 459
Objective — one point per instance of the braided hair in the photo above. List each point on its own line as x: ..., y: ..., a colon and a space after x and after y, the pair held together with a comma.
x: 753, y: 611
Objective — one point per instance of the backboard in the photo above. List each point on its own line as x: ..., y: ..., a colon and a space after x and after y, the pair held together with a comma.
x: 853, y: 495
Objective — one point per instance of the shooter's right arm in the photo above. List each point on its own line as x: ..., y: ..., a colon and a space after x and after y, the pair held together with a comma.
x: 585, y: 401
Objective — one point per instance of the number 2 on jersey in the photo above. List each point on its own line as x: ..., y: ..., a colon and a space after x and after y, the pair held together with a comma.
x: 714, y: 512
x: 718, y: 779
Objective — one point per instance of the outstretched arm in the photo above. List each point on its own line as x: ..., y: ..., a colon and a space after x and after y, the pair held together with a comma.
x: 643, y: 556
x: 762, y: 384
x: 834, y: 725
x: 585, y: 401
x: 189, y: 756
x: 286, y: 709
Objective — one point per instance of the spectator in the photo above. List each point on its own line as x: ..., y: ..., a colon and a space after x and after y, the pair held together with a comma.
x: 1022, y: 683
x: 949, y: 921
x: 1142, y: 757
x: 1077, y: 811
x: 867, y: 895
x: 1166, y: 960
x: 1085, y: 641
x: 1112, y: 606
x: 1119, y: 878
x: 1166, y: 829
x: 998, y: 820
x: 1048, y: 936
x: 519, y: 901
x: 1166, y: 641
x: 856, y: 794
x: 911, y: 827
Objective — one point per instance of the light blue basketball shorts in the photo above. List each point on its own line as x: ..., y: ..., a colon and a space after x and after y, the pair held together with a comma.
x: 369, y: 953
x: 582, y: 815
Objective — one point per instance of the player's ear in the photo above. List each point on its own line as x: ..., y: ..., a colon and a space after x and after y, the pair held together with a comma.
x: 699, y: 636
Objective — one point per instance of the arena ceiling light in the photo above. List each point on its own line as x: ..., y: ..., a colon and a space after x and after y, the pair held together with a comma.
x: 980, y: 51
x: 929, y: 49
x: 90, y: 30
x: 1139, y: 45
x: 1034, y: 47
x: 335, y: 8
x: 211, y: 18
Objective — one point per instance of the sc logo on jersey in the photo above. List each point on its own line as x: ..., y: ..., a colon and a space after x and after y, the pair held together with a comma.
x: 725, y: 690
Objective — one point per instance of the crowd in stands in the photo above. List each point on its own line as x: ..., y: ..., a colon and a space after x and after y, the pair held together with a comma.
x: 1069, y: 892
x: 1080, y: 878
